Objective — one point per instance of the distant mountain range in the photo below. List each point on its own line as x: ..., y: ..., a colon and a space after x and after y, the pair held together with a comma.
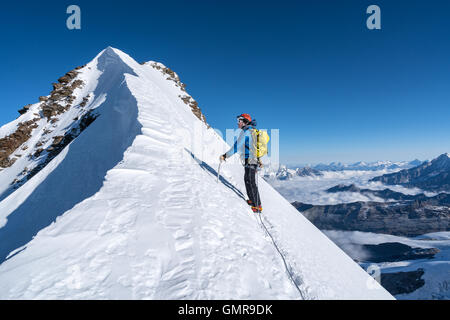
x: 431, y: 175
x: 367, y: 166
x: 403, y: 215
x: 413, y: 217
x: 285, y: 173
x: 289, y: 172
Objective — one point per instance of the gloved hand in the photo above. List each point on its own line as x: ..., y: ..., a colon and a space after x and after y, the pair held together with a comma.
x: 260, y: 164
x: 222, y: 157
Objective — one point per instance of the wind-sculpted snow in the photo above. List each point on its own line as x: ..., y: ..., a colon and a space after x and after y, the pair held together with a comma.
x: 158, y: 224
x: 77, y: 173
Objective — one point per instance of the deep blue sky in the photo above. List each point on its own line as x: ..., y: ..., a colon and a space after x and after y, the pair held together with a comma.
x: 336, y: 90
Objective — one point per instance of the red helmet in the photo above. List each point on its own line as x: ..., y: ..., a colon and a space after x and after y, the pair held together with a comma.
x: 245, y: 116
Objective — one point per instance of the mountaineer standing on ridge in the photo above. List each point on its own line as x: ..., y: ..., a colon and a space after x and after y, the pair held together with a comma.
x: 244, y: 145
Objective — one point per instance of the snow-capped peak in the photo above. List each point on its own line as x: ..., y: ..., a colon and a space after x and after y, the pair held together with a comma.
x: 131, y: 208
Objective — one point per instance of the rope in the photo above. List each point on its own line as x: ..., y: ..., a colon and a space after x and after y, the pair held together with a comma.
x: 276, y: 246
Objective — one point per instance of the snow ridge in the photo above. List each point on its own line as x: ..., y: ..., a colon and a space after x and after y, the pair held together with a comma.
x: 156, y: 224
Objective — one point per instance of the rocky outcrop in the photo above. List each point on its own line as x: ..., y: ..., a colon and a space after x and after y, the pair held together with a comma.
x: 13, y: 141
x: 170, y: 73
x: 403, y: 282
x: 61, y: 97
x: 25, y: 109
x: 69, y: 76
x: 58, y: 102
x: 194, y: 107
x: 405, y: 218
x: 61, y: 90
x: 187, y: 99
x: 394, y: 251
x: 58, y: 144
x: 50, y: 110
x: 431, y: 175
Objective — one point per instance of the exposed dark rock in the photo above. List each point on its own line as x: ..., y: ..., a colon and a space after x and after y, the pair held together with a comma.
x: 186, y: 99
x: 84, y: 102
x: 65, y: 91
x: 194, y: 107
x: 64, y: 79
x: 308, y: 172
x: 87, y: 119
x: 68, y: 77
x: 10, y: 143
x: 69, y: 101
x: 394, y: 251
x: 57, y: 140
x: 62, y: 92
x: 344, y: 188
x: 403, y: 282
x: 76, y: 84
x: 302, y: 206
x: 406, y: 218
x: 38, y: 152
x: 56, y: 86
x: 59, y: 143
x: 52, y: 110
x: 25, y: 109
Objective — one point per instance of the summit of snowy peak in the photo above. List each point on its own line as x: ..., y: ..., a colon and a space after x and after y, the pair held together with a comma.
x: 145, y: 214
x: 111, y: 56
x: 110, y: 50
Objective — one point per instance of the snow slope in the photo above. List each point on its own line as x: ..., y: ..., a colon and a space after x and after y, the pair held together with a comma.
x: 139, y: 213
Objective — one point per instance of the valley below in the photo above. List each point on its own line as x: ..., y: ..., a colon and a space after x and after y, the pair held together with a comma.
x: 394, y: 229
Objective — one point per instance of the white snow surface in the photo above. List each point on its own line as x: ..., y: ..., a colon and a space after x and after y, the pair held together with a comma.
x: 149, y: 219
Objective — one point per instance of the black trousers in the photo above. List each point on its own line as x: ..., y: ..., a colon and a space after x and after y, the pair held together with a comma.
x: 250, y: 184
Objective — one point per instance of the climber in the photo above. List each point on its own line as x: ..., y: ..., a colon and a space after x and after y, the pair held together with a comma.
x: 248, y: 157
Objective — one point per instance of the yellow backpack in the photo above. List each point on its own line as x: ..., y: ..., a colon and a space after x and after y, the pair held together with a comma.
x: 260, y: 139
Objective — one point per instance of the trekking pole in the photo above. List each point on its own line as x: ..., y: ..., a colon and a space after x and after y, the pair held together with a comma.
x: 218, y: 171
